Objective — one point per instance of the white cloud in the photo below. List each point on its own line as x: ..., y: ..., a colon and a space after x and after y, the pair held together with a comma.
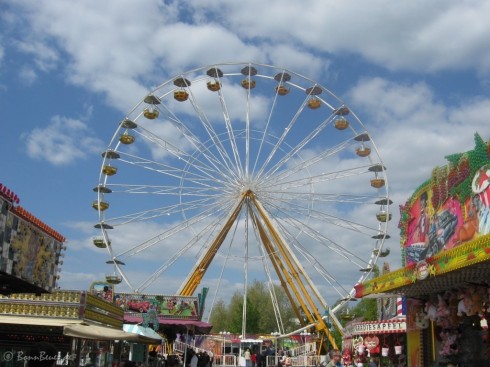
x: 62, y: 142
x: 413, y: 130
x: 117, y: 47
x: 77, y: 280
x: 45, y: 57
x: 412, y: 35
x: 28, y: 75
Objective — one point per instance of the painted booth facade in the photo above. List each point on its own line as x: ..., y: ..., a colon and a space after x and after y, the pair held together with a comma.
x: 445, y: 239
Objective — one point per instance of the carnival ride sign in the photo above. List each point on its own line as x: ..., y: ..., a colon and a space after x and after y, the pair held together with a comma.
x: 387, y: 326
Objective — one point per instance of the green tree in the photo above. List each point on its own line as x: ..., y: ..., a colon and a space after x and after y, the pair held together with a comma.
x: 220, y: 317
x: 261, y: 318
x: 367, y: 308
x: 235, y: 312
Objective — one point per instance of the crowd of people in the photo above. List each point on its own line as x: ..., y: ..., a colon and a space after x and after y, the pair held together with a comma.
x: 337, y: 359
x: 198, y: 358
x: 46, y: 355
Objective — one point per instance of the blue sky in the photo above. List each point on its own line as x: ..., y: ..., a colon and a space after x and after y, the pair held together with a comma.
x: 415, y: 73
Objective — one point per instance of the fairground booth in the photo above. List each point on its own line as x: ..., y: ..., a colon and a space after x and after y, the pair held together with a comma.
x: 445, y: 239
x: 31, y: 252
x: 383, y: 340
x: 84, y: 328
x: 175, y: 320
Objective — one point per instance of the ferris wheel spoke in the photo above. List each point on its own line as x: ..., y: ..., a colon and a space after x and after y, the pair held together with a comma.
x: 159, y: 143
x: 320, y: 238
x: 206, y: 231
x: 266, y: 128
x: 247, y: 127
x: 319, y: 268
x: 229, y: 130
x: 152, y: 214
x: 338, y: 198
x: 334, y: 249
x: 292, y: 170
x: 208, y: 127
x: 301, y: 145
x: 180, y: 154
x: 328, y: 218
x: 197, y: 143
x: 199, y: 169
x: 201, y: 177
x: 280, y: 141
x: 314, y: 179
x: 193, y: 191
x: 208, y: 213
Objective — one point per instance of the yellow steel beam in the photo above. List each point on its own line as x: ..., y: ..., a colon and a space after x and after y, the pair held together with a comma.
x: 310, y: 312
x: 286, y: 266
x: 276, y: 263
x: 293, y: 267
x: 195, y: 276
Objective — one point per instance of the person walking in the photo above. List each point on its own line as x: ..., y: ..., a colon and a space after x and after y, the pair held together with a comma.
x: 253, y: 359
x: 335, y: 358
x: 194, y: 359
x: 288, y: 361
x: 247, y: 356
x: 258, y: 358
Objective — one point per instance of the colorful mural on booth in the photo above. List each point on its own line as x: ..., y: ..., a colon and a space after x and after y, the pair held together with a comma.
x: 449, y: 209
x: 167, y: 306
x: 30, y: 250
x: 103, y: 290
x: 445, y: 224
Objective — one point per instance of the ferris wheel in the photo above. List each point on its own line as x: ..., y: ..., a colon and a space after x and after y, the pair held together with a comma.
x: 240, y: 171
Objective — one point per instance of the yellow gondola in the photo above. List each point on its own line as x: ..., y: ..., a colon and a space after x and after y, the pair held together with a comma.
x: 314, y: 103
x: 363, y: 151
x: 100, y: 243
x: 248, y: 83
x: 181, y: 95
x: 214, y: 86
x: 126, y: 139
x: 113, y: 279
x: 383, y: 216
x: 109, y: 170
x: 341, y: 124
x: 377, y: 182
x: 100, y: 205
x: 282, y: 90
x: 151, y: 113
x: 383, y: 253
